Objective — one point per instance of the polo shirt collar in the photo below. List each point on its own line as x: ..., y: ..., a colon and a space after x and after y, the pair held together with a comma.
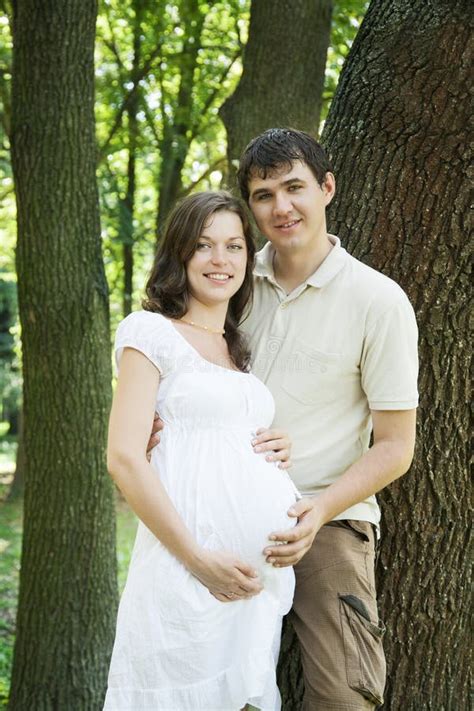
x: 326, y: 271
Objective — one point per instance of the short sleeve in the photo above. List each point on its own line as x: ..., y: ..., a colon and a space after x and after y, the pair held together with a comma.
x: 389, y: 364
x: 145, y: 332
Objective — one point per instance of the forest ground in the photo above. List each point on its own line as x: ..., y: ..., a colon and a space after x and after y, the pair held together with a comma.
x: 10, y: 550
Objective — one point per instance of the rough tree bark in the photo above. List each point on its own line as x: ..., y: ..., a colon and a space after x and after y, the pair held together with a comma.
x: 283, y: 72
x: 67, y: 602
x: 397, y: 133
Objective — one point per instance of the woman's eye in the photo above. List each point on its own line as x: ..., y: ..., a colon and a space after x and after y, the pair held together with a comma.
x: 236, y: 247
x: 201, y: 246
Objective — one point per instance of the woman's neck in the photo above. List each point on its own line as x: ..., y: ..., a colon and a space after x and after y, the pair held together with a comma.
x: 212, y: 317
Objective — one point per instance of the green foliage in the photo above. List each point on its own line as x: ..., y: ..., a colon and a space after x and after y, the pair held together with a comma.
x: 164, y: 39
x: 7, y: 457
x: 164, y: 30
x: 8, y: 315
x: 10, y: 372
x: 10, y: 377
x: 347, y: 17
x: 7, y: 198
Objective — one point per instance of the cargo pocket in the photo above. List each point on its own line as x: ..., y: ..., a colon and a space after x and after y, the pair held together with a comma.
x: 363, y: 650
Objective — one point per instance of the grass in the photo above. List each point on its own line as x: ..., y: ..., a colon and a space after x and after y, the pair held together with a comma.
x: 10, y: 549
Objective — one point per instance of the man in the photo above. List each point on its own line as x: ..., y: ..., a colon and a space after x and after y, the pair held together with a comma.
x: 335, y: 341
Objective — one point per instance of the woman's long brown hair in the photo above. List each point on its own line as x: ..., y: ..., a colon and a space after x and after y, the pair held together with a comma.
x: 167, y: 288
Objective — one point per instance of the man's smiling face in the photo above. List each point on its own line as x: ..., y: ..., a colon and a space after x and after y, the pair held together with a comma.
x: 289, y: 207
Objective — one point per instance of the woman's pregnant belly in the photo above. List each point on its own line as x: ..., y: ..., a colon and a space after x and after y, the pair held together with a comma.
x: 251, y: 503
x: 231, y: 498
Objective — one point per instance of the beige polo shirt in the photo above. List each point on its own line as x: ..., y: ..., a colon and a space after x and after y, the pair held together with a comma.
x: 342, y: 343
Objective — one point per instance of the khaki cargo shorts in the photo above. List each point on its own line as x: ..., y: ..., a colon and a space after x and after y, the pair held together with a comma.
x: 335, y: 617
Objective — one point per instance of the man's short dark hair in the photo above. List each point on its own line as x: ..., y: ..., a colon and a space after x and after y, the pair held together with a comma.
x: 276, y: 149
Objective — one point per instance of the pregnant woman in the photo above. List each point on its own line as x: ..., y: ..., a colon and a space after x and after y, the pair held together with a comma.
x: 200, y: 617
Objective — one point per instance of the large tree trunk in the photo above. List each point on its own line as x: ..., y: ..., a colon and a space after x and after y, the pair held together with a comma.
x: 397, y: 133
x: 283, y: 72
x: 67, y: 602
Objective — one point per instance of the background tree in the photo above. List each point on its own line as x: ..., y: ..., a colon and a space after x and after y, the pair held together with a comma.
x: 176, y: 128
x: 200, y: 74
x: 66, y: 614
x: 127, y: 203
x: 283, y: 71
x: 397, y: 133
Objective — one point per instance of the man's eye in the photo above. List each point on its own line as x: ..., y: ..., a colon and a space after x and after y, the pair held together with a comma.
x: 263, y: 196
x: 293, y: 188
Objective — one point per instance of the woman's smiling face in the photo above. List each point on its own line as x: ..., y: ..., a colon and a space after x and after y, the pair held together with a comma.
x: 216, y: 270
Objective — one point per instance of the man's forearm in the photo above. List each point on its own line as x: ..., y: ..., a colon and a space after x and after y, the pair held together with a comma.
x: 389, y: 457
x: 384, y: 462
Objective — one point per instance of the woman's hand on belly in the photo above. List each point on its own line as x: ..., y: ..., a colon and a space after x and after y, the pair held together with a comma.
x: 225, y: 576
x: 277, y: 443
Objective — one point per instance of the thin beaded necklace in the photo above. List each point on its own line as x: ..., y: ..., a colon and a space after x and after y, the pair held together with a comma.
x: 219, y: 331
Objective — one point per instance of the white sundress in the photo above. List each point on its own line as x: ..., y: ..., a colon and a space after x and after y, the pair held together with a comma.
x: 177, y: 648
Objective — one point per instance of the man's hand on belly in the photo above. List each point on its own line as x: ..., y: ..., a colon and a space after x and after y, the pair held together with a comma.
x: 295, y: 542
x: 277, y: 443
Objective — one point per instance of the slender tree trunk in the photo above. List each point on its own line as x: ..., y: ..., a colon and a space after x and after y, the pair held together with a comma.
x: 127, y: 204
x: 175, y: 145
x: 127, y: 273
x: 127, y: 209
x: 67, y: 601
x: 17, y: 486
x: 397, y: 133
x: 283, y: 72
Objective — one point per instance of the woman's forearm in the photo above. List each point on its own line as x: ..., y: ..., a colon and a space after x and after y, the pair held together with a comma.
x: 146, y: 495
